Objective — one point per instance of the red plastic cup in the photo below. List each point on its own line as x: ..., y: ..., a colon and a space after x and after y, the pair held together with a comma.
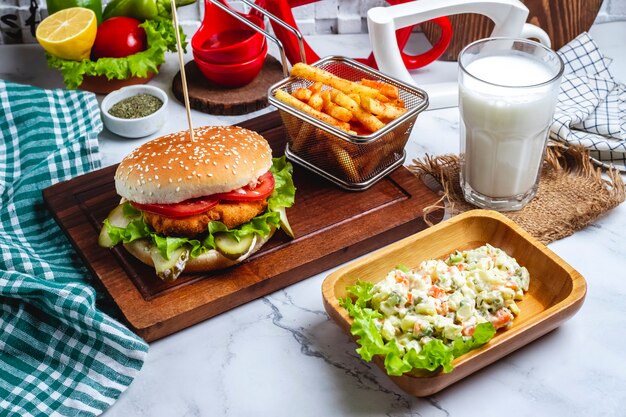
x: 232, y: 75
x: 225, y: 40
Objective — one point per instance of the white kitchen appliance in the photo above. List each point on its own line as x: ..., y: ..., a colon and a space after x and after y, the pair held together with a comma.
x: 509, y: 17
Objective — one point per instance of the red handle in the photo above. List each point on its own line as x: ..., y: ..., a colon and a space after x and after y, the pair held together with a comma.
x: 418, y: 61
x: 282, y: 9
x: 423, y: 59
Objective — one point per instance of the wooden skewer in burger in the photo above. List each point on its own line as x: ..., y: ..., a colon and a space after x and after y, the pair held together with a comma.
x: 199, y: 205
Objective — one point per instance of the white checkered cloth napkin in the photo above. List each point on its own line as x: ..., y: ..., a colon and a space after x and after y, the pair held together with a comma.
x: 60, y: 354
x: 591, y: 109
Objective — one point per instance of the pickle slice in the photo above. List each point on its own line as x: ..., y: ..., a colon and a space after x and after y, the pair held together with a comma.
x: 166, y: 269
x: 169, y: 269
x: 284, y: 223
x: 231, y: 248
x: 116, y: 218
x: 104, y: 240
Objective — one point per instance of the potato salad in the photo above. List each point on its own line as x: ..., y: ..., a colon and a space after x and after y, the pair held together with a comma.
x: 441, y: 300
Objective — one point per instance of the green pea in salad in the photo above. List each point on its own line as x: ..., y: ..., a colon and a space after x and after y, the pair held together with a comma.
x: 422, y: 318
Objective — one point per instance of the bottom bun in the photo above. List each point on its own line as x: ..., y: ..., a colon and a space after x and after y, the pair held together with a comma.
x: 209, y: 261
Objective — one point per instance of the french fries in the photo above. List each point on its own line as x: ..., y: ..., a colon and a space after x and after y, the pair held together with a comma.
x: 359, y: 108
x: 367, y: 105
x: 316, y: 87
x: 334, y: 110
x: 285, y: 97
x: 367, y: 119
x: 345, y: 161
x: 319, y: 75
x: 316, y: 101
x: 356, y: 98
x: 303, y: 94
x: 388, y: 90
x: 382, y: 109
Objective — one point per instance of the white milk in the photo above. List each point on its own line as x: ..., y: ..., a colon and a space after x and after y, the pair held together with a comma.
x: 505, y: 128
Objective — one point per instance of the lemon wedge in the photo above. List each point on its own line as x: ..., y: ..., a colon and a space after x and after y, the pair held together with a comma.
x: 68, y: 33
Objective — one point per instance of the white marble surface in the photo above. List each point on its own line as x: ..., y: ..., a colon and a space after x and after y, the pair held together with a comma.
x: 282, y: 356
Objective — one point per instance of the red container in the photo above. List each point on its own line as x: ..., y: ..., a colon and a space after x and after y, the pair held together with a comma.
x: 222, y: 39
x: 232, y: 75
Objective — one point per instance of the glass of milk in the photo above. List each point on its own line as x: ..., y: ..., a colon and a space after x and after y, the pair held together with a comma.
x: 507, y: 94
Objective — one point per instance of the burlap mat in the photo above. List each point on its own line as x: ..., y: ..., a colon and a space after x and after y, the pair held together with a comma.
x: 572, y: 192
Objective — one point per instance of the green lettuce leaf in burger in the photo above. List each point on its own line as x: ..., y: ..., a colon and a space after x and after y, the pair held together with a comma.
x: 199, y: 205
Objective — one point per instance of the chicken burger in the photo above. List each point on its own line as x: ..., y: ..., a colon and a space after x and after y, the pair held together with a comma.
x: 199, y: 205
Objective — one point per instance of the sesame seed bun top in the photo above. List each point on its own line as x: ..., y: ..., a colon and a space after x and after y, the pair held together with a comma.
x: 172, y: 168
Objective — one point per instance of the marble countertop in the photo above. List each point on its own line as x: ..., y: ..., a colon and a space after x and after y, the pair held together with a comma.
x: 282, y: 356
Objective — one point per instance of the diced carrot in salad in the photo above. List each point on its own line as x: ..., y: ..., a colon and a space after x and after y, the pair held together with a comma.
x: 502, y: 318
x: 468, y: 330
x: 401, y: 278
x: 436, y: 292
x: 512, y: 285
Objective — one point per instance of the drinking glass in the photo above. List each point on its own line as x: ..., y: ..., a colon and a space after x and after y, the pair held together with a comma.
x: 507, y: 95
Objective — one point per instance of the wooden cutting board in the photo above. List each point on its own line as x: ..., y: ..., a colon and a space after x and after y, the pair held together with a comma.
x: 331, y: 225
x: 211, y: 98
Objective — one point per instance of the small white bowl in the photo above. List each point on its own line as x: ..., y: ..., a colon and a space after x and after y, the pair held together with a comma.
x: 134, y: 128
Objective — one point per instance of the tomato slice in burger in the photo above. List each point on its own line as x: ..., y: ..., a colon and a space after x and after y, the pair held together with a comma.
x: 182, y: 209
x: 259, y: 191
x: 251, y: 192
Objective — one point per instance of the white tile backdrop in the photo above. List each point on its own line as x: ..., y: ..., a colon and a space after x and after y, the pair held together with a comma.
x: 18, y: 18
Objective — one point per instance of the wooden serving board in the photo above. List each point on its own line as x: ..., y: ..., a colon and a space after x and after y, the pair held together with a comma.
x: 331, y: 225
x: 211, y: 98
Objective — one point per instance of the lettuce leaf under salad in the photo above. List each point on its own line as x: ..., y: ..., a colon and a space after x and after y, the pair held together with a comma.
x: 397, y: 361
x: 283, y: 196
x: 160, y: 37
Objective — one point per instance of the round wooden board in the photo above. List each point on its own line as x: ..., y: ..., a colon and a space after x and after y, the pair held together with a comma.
x: 208, y: 97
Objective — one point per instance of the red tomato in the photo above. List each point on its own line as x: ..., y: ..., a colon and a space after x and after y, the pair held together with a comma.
x: 261, y: 190
x: 119, y: 37
x: 182, y: 209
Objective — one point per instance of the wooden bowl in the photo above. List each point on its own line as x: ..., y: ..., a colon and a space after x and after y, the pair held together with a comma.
x: 555, y: 294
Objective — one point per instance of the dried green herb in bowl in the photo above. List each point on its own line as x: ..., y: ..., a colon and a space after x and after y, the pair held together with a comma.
x: 135, y: 111
x: 134, y: 107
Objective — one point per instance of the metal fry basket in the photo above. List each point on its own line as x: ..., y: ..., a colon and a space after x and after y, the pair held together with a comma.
x: 354, y: 162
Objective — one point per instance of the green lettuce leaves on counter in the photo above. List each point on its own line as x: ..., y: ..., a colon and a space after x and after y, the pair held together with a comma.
x: 161, y: 38
x: 142, y: 9
x: 282, y: 196
x: 433, y: 355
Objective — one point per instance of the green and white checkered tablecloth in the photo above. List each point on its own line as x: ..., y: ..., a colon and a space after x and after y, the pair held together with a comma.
x: 59, y: 354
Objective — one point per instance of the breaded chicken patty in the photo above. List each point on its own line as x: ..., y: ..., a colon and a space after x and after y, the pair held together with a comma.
x: 232, y: 214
